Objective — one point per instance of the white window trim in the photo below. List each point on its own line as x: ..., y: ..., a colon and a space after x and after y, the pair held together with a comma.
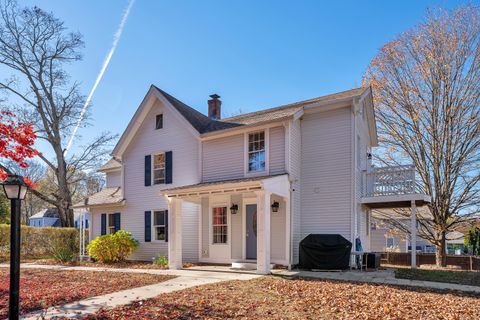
x: 108, y: 222
x: 152, y: 165
x: 210, y: 222
x: 153, y: 229
x: 265, y: 172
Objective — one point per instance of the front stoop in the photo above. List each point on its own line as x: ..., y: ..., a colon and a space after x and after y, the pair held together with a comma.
x: 247, y: 265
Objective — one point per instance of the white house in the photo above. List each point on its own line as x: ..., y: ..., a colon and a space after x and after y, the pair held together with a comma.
x: 250, y: 187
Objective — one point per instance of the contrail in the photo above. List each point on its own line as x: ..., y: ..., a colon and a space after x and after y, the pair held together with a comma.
x: 116, y: 38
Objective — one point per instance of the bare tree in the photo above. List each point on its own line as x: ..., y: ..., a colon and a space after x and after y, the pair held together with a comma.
x: 35, y: 47
x: 426, y: 85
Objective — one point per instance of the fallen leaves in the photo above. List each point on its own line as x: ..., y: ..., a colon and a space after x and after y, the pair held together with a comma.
x: 276, y: 298
x: 40, y: 289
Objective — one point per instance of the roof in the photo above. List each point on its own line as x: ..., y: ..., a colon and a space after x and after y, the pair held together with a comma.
x: 111, y: 164
x: 108, y: 196
x: 46, y: 213
x: 290, y: 109
x: 204, y: 124
x: 220, y: 182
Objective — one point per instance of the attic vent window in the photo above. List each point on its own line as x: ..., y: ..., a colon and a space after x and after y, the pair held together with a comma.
x: 159, y: 121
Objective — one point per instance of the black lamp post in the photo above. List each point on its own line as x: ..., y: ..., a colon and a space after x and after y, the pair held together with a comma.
x: 15, y: 189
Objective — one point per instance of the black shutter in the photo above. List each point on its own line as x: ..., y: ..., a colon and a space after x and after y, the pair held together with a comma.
x: 148, y: 226
x: 166, y: 225
x: 116, y: 221
x: 103, y: 230
x: 168, y: 167
x: 148, y: 170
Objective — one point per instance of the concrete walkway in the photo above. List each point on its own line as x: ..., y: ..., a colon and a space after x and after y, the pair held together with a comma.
x: 380, y: 277
x: 185, y: 279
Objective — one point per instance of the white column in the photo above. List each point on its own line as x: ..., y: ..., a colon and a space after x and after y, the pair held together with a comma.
x: 413, y: 234
x: 288, y: 232
x: 175, y: 233
x: 263, y: 232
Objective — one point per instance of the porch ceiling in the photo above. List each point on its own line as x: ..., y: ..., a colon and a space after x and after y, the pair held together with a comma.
x: 221, y: 187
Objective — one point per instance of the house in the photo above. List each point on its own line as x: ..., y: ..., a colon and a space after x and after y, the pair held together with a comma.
x: 45, y: 218
x: 50, y: 218
x: 247, y: 188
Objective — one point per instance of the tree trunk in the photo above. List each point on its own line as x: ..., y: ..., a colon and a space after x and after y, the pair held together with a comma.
x: 441, y: 252
x: 64, y: 201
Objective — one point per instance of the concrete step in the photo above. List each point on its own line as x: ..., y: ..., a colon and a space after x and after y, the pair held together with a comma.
x: 247, y: 265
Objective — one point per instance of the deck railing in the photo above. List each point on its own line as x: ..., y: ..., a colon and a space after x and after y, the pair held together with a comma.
x: 387, y: 181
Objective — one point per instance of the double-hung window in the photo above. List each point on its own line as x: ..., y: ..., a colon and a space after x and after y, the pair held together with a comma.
x: 159, y: 168
x: 256, y: 152
x: 219, y: 225
x: 111, y: 224
x: 159, y: 225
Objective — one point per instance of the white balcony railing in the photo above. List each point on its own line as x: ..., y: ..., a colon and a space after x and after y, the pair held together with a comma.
x: 388, y: 181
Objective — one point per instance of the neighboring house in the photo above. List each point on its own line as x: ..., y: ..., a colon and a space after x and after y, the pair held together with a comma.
x: 247, y: 188
x: 50, y: 218
x: 45, y: 218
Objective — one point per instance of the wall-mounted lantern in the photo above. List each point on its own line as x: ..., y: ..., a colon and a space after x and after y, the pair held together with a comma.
x: 234, y: 208
x: 275, y: 206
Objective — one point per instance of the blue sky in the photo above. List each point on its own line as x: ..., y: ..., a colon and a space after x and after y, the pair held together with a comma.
x: 254, y: 54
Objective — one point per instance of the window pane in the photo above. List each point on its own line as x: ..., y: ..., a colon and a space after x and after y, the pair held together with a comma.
x: 160, y: 233
x: 159, y: 218
x: 159, y: 161
x: 111, y: 220
x: 256, y: 161
x: 159, y: 121
x: 219, y: 224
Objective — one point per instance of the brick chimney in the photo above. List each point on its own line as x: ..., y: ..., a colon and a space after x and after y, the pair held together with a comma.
x: 214, y: 107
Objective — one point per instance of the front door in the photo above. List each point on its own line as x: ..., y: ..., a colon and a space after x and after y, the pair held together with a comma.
x: 251, y: 229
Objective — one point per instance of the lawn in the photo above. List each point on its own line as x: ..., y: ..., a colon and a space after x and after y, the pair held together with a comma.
x: 277, y: 298
x: 40, y: 289
x: 459, y: 277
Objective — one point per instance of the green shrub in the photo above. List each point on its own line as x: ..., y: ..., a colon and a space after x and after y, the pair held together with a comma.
x: 40, y: 242
x: 64, y: 255
x: 161, y: 261
x: 112, y: 247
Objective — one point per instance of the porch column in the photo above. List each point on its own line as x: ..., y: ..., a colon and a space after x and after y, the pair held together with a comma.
x: 413, y: 234
x: 263, y: 232
x: 175, y: 233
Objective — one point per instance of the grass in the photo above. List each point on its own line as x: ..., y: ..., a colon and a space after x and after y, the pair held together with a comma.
x: 40, y: 288
x: 457, y: 277
x: 276, y: 298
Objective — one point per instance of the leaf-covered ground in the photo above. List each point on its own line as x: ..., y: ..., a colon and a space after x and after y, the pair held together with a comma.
x: 276, y: 298
x: 460, y: 277
x: 40, y: 289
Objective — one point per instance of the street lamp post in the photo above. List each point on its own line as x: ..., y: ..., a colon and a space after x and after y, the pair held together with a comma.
x: 15, y: 189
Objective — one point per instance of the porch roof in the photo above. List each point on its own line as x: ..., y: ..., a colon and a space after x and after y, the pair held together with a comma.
x: 220, y: 186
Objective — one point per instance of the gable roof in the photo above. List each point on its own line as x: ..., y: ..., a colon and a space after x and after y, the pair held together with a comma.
x: 203, y: 124
x: 112, y: 164
x: 108, y: 196
x: 46, y: 213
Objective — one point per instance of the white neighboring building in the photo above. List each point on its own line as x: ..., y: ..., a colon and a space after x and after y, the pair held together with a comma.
x: 247, y: 188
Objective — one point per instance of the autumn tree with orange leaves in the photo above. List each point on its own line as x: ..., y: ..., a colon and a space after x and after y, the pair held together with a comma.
x: 426, y: 85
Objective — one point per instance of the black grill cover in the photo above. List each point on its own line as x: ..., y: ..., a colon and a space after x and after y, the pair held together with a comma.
x: 325, y: 252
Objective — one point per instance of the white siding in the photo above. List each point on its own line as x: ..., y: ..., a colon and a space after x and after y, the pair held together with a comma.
x: 277, y: 150
x: 237, y: 230
x: 326, y: 173
x: 295, y: 171
x: 223, y: 158
x: 175, y: 137
x: 113, y: 179
x: 278, y: 232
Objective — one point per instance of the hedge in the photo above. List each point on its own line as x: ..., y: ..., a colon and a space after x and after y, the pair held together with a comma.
x: 40, y: 242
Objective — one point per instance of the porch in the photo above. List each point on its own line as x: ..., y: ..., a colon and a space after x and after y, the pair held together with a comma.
x: 241, y: 222
x: 395, y: 187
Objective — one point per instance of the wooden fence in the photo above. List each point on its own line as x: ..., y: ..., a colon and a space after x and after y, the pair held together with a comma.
x: 469, y: 263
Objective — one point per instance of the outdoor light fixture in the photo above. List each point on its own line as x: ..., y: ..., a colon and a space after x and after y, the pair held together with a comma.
x: 275, y: 206
x: 15, y: 189
x: 234, y: 208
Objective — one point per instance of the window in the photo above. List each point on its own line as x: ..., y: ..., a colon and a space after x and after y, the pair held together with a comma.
x: 159, y: 225
x: 219, y: 224
x: 390, y: 242
x: 159, y: 121
x: 159, y: 168
x: 256, y: 152
x: 111, y: 224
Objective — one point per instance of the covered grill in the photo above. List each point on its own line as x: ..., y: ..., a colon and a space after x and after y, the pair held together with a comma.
x: 325, y: 252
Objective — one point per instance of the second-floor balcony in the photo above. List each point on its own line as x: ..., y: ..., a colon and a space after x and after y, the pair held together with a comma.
x: 392, y: 186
